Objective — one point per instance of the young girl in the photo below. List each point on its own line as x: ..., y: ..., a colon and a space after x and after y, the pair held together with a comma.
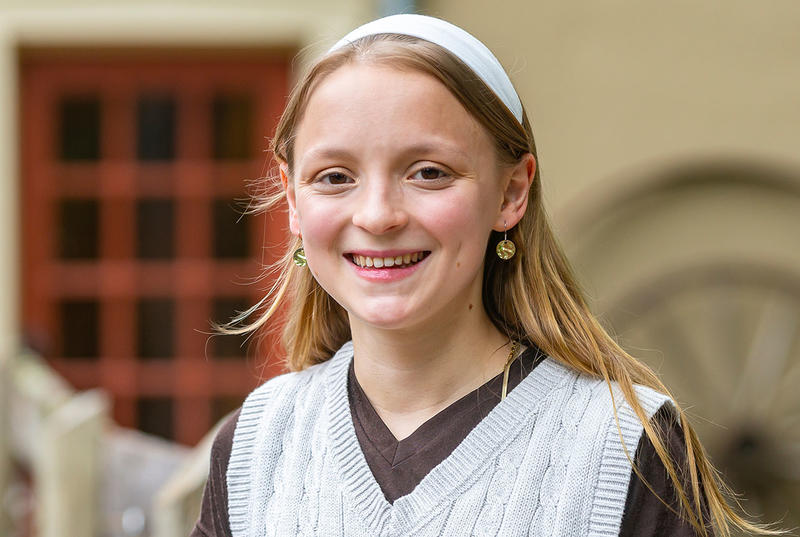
x: 447, y: 376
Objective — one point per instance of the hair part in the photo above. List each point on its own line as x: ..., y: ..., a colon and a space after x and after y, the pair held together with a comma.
x: 532, y: 298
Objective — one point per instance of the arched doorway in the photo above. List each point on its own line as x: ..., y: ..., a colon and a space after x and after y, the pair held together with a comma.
x: 698, y: 274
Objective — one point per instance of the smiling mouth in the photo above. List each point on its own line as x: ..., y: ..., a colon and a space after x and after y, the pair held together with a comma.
x: 398, y: 261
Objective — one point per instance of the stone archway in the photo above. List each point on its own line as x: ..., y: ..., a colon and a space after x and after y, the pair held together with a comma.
x: 698, y: 274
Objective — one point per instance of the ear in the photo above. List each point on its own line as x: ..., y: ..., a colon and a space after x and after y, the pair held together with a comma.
x: 515, y: 196
x: 288, y: 187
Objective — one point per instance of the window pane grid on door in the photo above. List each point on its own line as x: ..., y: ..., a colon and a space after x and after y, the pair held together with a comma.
x: 155, y: 134
x: 155, y: 228
x: 155, y: 328
x: 155, y: 416
x: 78, y: 228
x: 231, y: 230
x: 79, y: 127
x: 232, y: 126
x: 79, y: 328
x: 150, y: 244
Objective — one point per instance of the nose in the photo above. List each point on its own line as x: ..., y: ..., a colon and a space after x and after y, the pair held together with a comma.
x: 379, y: 209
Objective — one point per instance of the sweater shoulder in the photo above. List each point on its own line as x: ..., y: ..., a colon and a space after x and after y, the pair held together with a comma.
x: 611, y: 399
x: 273, y: 409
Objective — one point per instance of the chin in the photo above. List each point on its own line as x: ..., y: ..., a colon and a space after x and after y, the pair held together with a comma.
x: 385, y: 317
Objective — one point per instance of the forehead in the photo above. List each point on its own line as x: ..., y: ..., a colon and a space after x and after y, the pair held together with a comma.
x: 367, y: 103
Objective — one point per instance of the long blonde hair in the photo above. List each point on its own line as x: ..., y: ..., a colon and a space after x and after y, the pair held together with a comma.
x: 533, y: 297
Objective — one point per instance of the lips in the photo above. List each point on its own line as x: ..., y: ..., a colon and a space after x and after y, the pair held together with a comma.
x: 395, y: 261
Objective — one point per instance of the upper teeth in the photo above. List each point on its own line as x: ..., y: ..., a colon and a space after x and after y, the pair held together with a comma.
x: 380, y: 262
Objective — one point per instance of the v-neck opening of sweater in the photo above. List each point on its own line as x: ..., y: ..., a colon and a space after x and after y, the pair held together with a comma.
x: 478, y: 449
x: 396, y: 452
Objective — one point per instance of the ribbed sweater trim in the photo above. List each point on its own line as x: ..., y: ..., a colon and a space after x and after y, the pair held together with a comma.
x: 613, y: 480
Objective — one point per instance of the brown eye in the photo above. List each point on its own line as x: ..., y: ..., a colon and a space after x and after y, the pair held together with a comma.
x: 429, y: 174
x: 335, y: 178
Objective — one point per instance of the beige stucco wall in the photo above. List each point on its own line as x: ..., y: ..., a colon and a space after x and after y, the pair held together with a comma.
x: 9, y: 227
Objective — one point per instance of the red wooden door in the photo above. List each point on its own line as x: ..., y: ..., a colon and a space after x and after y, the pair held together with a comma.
x: 133, y: 167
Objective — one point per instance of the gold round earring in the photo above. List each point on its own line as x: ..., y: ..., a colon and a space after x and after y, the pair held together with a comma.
x: 505, y: 248
x: 299, y: 257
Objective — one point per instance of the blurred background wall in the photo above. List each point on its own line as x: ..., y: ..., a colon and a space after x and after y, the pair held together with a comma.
x: 667, y: 137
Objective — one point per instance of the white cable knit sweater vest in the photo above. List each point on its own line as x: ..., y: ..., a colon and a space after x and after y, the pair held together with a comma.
x: 546, y: 461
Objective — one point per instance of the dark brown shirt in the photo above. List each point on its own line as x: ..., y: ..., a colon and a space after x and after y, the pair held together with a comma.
x: 399, y: 466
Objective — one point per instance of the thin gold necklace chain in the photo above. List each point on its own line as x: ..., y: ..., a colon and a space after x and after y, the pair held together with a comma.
x: 511, y: 356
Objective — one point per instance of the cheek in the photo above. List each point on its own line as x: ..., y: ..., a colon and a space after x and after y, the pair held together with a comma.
x: 319, y: 221
x: 459, y: 220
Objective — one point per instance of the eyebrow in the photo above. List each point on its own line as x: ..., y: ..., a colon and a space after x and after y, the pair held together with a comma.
x: 432, y: 148
x: 324, y: 152
x: 423, y: 148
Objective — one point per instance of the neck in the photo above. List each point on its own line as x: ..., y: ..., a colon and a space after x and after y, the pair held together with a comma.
x: 411, y: 375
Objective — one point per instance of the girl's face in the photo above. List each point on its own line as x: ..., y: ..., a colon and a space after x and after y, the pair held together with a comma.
x: 395, y: 189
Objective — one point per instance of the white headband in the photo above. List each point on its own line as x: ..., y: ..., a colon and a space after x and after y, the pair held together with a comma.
x: 452, y: 38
